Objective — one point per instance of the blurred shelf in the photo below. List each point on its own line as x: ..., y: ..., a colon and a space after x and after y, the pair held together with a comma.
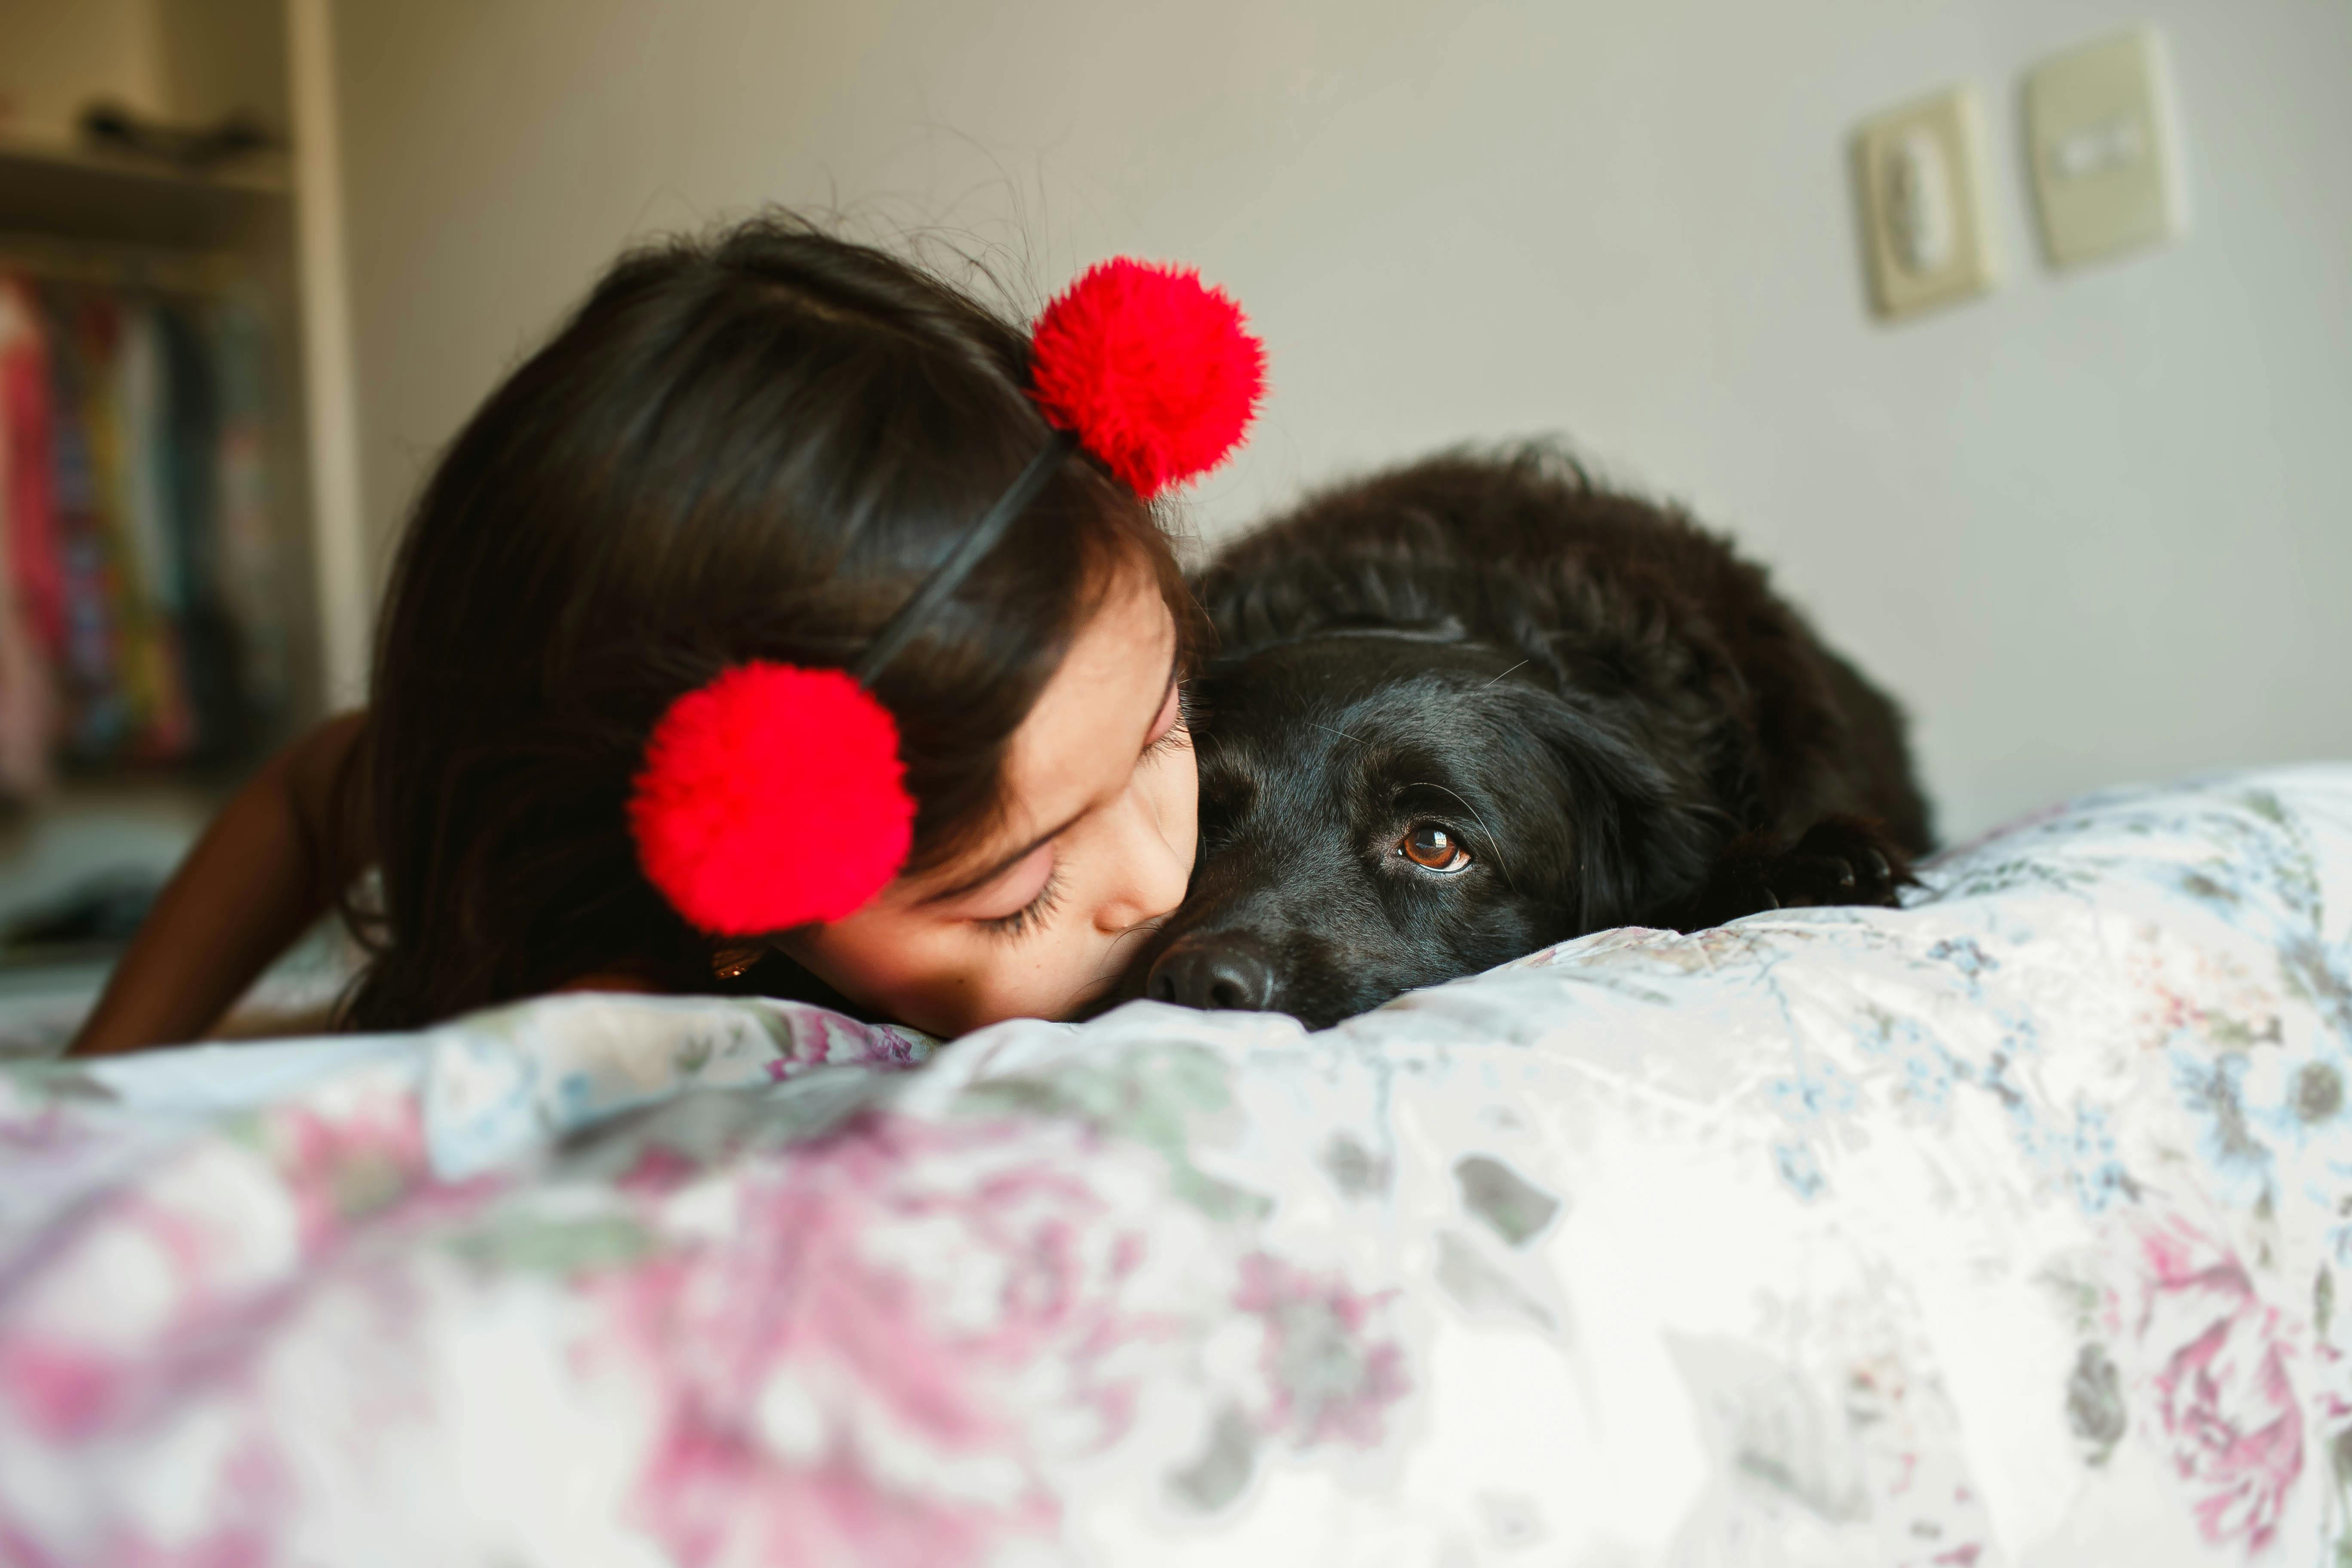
x: 42, y: 968
x: 82, y: 836
x: 135, y: 791
x: 83, y: 803
x: 73, y: 192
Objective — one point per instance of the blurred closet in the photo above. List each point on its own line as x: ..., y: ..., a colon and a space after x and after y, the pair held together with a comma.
x: 180, y: 580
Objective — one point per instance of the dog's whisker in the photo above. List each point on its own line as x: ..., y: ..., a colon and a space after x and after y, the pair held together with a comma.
x: 1116, y: 960
x: 1481, y: 821
x: 1521, y: 665
x: 1341, y: 733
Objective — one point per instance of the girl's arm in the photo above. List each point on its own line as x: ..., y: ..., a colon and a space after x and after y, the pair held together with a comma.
x: 262, y: 873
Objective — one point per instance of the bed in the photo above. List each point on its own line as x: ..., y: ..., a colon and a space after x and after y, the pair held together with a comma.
x: 2003, y: 1228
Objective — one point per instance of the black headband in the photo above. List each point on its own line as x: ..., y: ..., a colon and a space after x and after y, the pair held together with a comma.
x: 969, y: 552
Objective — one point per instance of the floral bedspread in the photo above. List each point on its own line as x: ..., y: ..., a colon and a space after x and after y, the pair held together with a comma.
x: 2012, y: 1227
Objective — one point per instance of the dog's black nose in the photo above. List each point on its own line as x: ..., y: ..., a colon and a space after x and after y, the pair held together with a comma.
x: 1224, y: 971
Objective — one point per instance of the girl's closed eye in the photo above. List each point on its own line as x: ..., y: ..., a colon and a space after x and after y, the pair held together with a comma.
x: 1172, y: 730
x: 1013, y: 900
x: 1021, y: 921
x: 1043, y: 871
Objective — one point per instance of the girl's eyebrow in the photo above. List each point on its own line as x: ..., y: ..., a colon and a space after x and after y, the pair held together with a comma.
x: 998, y: 869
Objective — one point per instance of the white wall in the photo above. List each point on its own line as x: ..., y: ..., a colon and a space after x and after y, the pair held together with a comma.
x: 2092, y: 528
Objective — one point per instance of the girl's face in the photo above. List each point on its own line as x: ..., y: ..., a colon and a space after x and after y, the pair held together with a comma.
x: 1094, y: 850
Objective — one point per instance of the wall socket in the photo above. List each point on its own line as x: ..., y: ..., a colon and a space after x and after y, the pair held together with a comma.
x: 2101, y: 140
x: 1920, y: 174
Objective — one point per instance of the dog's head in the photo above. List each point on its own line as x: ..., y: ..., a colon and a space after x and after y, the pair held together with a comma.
x: 1383, y: 810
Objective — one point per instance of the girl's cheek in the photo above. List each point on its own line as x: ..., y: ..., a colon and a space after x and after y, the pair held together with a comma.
x: 1175, y: 794
x: 1042, y: 982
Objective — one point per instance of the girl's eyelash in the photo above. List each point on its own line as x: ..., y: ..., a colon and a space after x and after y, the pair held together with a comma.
x: 1020, y: 921
x: 1179, y: 734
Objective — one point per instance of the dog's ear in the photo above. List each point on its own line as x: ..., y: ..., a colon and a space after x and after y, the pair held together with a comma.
x: 1639, y: 838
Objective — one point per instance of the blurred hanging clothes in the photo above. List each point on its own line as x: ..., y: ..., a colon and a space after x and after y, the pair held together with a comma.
x: 96, y: 711
x: 25, y: 712
x: 130, y: 704
x: 29, y: 497
x: 142, y: 614
x: 247, y: 572
x: 133, y: 429
x: 31, y: 591
x: 142, y: 416
x: 190, y: 484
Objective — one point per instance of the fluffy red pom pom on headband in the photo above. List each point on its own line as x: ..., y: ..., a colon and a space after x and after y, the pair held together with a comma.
x: 1150, y: 370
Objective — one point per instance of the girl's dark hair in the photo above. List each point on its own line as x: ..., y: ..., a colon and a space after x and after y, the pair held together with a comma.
x: 754, y: 445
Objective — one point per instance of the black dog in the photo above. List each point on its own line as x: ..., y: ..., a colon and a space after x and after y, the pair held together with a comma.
x: 1478, y: 705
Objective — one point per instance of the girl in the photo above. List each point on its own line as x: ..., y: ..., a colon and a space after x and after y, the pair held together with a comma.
x: 779, y: 576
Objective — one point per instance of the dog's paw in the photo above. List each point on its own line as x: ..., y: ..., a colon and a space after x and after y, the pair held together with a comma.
x: 1839, y: 860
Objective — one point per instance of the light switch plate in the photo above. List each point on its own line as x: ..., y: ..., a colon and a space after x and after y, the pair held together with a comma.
x: 1920, y: 170
x: 2105, y: 148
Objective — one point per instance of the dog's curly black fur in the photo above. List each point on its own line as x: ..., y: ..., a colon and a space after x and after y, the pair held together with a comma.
x: 1479, y: 704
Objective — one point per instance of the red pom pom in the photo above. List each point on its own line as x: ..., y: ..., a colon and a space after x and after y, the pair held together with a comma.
x: 770, y: 798
x: 1152, y: 368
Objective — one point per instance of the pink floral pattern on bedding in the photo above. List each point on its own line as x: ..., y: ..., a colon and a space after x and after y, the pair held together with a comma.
x: 2010, y: 1227
x: 785, y: 1359
x: 2218, y: 1365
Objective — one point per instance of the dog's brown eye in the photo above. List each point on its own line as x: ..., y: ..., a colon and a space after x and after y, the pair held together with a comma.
x: 1432, y: 848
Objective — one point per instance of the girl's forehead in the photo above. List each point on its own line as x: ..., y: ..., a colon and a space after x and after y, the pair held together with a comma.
x: 1079, y: 743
